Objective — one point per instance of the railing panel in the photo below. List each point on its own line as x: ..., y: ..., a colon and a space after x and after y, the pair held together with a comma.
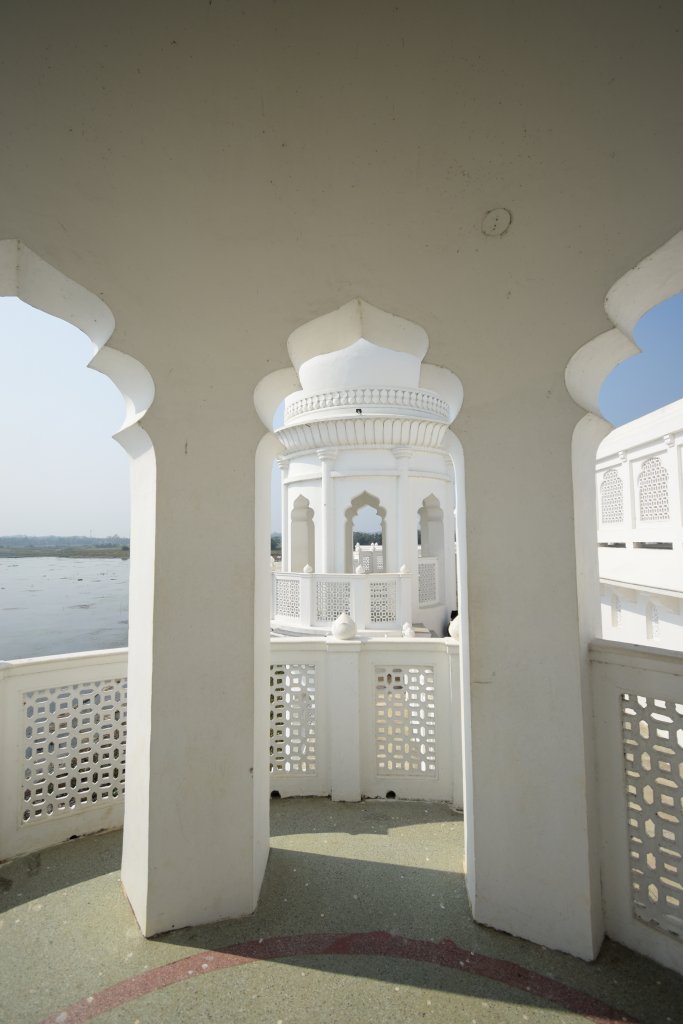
x: 638, y: 713
x: 63, y: 755
x: 332, y: 599
x: 383, y: 603
x: 428, y: 582
x: 410, y: 709
x: 298, y: 752
x: 63, y: 720
x: 287, y: 603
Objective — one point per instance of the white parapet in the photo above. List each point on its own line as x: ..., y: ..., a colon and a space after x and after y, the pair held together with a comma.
x: 311, y: 602
x: 638, y: 713
x: 62, y: 756
x: 366, y: 718
x: 347, y: 719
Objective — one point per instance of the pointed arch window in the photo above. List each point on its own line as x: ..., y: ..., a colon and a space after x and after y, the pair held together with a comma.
x: 612, y: 498
x: 653, y: 491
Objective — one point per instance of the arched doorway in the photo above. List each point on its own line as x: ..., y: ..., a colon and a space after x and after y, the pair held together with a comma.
x: 361, y: 505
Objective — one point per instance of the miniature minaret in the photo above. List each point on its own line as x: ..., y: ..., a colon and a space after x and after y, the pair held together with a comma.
x: 369, y: 428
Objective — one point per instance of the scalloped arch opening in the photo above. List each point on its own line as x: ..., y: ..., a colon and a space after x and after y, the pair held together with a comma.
x: 654, y: 279
x: 26, y: 276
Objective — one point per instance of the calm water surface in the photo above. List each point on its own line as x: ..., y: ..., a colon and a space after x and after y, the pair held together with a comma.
x: 62, y: 605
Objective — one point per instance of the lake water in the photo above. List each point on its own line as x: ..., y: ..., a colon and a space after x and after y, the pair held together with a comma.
x: 62, y: 605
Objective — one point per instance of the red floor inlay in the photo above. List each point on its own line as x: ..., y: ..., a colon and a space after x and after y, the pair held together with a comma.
x: 444, y: 953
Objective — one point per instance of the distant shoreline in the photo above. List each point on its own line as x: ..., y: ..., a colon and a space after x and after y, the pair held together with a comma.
x: 69, y: 552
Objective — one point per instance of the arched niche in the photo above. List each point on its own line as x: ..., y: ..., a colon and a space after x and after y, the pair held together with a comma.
x: 430, y: 525
x: 301, y: 535
x: 361, y: 501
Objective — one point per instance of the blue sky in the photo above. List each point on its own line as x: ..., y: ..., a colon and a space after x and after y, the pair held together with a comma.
x: 62, y: 472
x: 655, y: 376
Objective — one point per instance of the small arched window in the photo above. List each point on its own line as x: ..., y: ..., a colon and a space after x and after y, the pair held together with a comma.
x: 612, y: 498
x: 653, y: 487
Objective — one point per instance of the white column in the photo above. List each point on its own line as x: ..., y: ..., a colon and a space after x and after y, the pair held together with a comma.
x: 283, y: 463
x: 404, y: 533
x: 327, y: 457
x: 448, y: 568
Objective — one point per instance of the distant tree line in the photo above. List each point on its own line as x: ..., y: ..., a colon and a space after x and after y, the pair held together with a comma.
x: 53, y: 541
x: 359, y: 537
x: 64, y: 547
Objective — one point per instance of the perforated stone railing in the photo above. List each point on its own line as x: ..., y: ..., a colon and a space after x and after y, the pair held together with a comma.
x: 63, y: 758
x: 347, y: 719
x: 368, y: 400
x: 286, y: 597
x: 375, y: 601
x: 294, y: 719
x: 638, y: 710
x: 428, y: 582
x: 405, y: 721
x: 369, y: 718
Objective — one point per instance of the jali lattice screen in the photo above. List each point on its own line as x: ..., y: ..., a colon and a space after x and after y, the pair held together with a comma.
x: 287, y: 598
x: 612, y: 497
x: 75, y: 747
x: 293, y: 714
x: 332, y: 599
x: 653, y: 482
x: 382, y: 601
x: 427, y: 583
x: 653, y: 752
x: 405, y: 721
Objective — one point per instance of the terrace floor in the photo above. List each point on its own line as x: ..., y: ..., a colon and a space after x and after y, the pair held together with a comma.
x: 363, y: 917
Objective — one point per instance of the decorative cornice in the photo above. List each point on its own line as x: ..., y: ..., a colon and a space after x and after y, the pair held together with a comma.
x: 367, y: 401
x: 376, y: 432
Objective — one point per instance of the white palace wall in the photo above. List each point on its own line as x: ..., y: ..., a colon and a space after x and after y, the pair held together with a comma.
x: 639, y: 491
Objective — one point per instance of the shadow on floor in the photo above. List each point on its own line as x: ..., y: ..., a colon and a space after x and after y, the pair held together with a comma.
x: 59, y: 867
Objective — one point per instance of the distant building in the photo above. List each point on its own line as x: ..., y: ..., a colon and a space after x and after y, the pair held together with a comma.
x: 639, y: 489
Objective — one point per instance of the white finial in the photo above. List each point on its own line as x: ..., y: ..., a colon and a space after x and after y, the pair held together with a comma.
x: 344, y: 628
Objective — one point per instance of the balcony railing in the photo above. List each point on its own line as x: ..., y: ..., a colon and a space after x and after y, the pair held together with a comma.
x: 372, y: 717
x: 379, y: 602
x: 347, y: 719
x: 62, y: 758
x: 638, y: 715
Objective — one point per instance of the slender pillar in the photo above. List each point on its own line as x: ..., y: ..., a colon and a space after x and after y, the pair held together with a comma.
x: 327, y: 457
x: 283, y: 463
x: 404, y: 545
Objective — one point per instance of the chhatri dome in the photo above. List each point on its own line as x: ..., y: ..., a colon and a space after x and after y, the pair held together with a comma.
x: 368, y: 429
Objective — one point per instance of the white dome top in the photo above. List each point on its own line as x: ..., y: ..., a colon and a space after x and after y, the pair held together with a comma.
x: 362, y: 364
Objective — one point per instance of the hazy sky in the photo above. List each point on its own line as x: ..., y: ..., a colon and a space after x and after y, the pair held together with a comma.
x: 655, y: 376
x: 60, y: 470
x: 62, y: 473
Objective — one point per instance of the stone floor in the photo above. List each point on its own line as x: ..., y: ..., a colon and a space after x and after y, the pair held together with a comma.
x: 363, y: 917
